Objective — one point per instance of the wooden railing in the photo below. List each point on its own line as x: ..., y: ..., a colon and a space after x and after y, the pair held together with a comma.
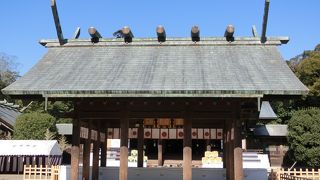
x: 41, y: 173
x: 294, y: 174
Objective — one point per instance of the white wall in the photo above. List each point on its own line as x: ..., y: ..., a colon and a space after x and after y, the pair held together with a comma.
x: 167, y: 173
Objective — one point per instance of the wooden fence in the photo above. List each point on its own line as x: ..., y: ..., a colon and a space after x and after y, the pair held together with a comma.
x: 41, y: 173
x: 288, y: 177
x: 294, y: 174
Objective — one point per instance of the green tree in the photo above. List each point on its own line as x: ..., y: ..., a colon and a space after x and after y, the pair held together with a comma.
x: 308, y: 72
x: 284, y: 110
x: 8, y: 73
x: 303, y: 137
x: 34, y: 126
x: 306, y: 66
x: 57, y: 109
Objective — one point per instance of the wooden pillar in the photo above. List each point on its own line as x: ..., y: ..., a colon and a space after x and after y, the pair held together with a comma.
x: 230, y: 149
x: 227, y: 149
x: 160, y: 152
x: 86, y: 154
x: 104, y: 148
x: 234, y: 167
x: 104, y: 153
x: 140, y: 144
x: 95, y: 161
x: 124, y: 125
x: 225, y: 146
x: 237, y: 144
x: 187, y: 149
x: 75, y: 149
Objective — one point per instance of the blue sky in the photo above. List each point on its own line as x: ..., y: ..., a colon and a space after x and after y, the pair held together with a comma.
x: 25, y: 22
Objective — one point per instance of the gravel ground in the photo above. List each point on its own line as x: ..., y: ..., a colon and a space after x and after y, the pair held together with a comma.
x: 10, y: 177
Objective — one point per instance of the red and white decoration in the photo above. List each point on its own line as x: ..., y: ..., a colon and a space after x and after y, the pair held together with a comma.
x: 133, y: 133
x: 110, y: 133
x: 147, y: 133
x: 116, y: 133
x: 200, y: 133
x: 194, y: 133
x: 172, y: 133
x: 113, y: 133
x: 180, y: 134
x: 102, y: 137
x: 94, y: 135
x: 213, y: 133
x: 164, y: 133
x: 155, y: 133
x: 219, y: 133
x: 84, y: 132
x: 206, y: 134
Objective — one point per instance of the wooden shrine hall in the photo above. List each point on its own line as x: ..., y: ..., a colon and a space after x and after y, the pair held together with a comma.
x: 206, y: 83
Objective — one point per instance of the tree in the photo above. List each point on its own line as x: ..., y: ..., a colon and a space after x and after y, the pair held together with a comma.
x: 303, y: 137
x: 308, y: 71
x: 57, y: 109
x: 306, y: 66
x: 8, y: 73
x: 34, y: 126
x: 284, y: 110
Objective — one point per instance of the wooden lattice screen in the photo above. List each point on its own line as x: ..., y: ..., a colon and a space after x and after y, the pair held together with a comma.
x: 41, y: 173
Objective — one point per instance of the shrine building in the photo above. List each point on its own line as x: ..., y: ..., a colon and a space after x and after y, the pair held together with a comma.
x: 189, y: 89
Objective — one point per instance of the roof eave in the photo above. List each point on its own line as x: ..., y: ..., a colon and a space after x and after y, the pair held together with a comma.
x: 158, y: 93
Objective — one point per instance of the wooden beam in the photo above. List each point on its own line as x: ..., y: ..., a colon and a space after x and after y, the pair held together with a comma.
x: 57, y: 21
x: 94, y: 33
x: 154, y: 114
x: 124, y: 125
x: 77, y: 33
x: 160, y: 152
x: 265, y: 21
x: 127, y: 33
x: 161, y: 33
x: 95, y: 161
x: 187, y: 148
x: 75, y: 149
x: 86, y: 153
x: 254, y: 31
x: 195, y: 34
x: 140, y: 143
x: 229, y: 33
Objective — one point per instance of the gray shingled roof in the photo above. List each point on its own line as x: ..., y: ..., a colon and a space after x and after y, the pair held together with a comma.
x: 146, y: 68
x: 266, y: 111
x: 271, y: 130
x: 8, y: 114
x: 64, y: 129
